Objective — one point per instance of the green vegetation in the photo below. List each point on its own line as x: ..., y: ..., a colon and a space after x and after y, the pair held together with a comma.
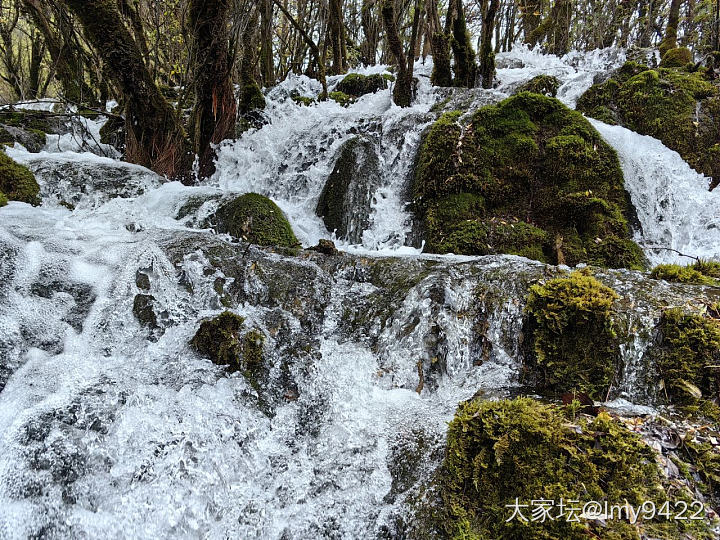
x: 342, y: 98
x: 527, y: 176
x: 676, y: 58
x: 546, y: 85
x: 357, y: 85
x: 17, y: 182
x: 303, y: 100
x: 700, y: 273
x: 680, y: 108
x: 521, y: 448
x: 688, y: 357
x: 252, y: 98
x: 256, y: 219
x: 574, y: 340
x: 219, y: 339
x: 3, y: 199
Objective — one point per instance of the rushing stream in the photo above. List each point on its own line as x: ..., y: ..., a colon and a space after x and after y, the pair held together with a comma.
x: 109, y: 429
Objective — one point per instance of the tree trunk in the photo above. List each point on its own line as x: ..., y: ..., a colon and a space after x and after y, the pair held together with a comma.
x: 37, y: 51
x: 530, y: 17
x: 487, y: 57
x: 336, y: 36
x: 402, y: 93
x: 670, y: 39
x: 215, y: 113
x: 562, y: 17
x: 465, y: 68
x: 266, y: 40
x: 155, y: 138
x: 440, y: 45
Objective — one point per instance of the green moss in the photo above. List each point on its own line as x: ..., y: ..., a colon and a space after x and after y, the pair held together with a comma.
x: 251, y: 98
x: 536, y: 165
x: 574, y: 341
x: 704, y: 460
x: 253, y: 350
x: 255, y: 219
x: 3, y: 199
x: 701, y: 273
x: 342, y: 98
x: 501, y: 451
x: 303, y: 100
x: 688, y: 356
x: 663, y: 103
x: 17, y: 182
x: 358, y: 85
x: 388, y: 77
x: 546, y: 85
x: 219, y: 339
x: 678, y: 57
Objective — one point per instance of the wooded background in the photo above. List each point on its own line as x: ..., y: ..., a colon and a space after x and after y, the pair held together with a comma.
x: 183, y: 71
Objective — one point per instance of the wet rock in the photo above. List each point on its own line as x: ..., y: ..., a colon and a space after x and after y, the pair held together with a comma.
x: 144, y: 311
x: 255, y: 219
x: 17, y: 182
x: 88, y: 184
x: 326, y: 247
x: 345, y: 202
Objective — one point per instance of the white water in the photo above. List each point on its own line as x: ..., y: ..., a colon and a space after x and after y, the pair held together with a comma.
x: 106, y: 434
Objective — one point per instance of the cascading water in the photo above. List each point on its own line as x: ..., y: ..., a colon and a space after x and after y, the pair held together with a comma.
x: 112, y: 429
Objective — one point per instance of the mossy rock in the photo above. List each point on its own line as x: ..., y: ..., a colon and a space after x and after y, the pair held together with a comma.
x: 17, y: 183
x: 681, y: 108
x: 256, y: 219
x: 676, y: 58
x: 546, y: 85
x: 518, y: 451
x: 358, y: 85
x: 345, y: 202
x: 225, y: 341
x: 3, y: 200
x: 688, y: 356
x: 341, y: 98
x: 550, y: 187
x: 574, y: 341
x: 699, y: 273
x: 219, y: 339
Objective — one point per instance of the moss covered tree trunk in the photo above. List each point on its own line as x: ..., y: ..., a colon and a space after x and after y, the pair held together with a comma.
x: 530, y: 17
x: 215, y: 112
x: 440, y: 46
x: 671, y: 30
x: 487, y: 56
x: 155, y: 137
x: 465, y: 68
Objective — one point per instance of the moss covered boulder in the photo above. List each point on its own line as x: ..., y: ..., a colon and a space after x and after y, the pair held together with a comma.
x: 3, y: 200
x: 516, y: 452
x: 575, y: 347
x: 688, y: 356
x: 226, y: 342
x: 17, y: 183
x: 357, y: 85
x: 679, y: 107
x: 28, y: 128
x: 346, y: 199
x: 546, y: 85
x: 256, y: 219
x: 527, y: 176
